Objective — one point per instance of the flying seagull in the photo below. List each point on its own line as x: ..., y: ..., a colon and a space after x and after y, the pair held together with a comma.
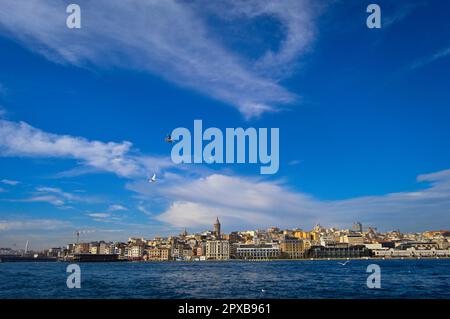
x: 168, y: 139
x: 153, y: 179
x: 344, y: 263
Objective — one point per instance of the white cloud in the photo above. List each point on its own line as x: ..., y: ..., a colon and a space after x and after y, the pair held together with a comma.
x: 143, y: 210
x: 244, y: 203
x: 21, y: 139
x: 32, y: 224
x: 9, y: 182
x: 172, y: 39
x: 54, y: 196
x: 116, y: 207
x: 58, y: 192
x: 54, y: 200
x: 99, y: 215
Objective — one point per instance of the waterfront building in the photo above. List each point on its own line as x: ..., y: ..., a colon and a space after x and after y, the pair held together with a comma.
x: 102, y: 247
x: 7, y: 251
x: 110, y: 249
x: 94, y: 258
x: 417, y: 245
x: 94, y: 248
x: 135, y: 252
x: 182, y: 251
x: 218, y: 249
x: 54, y: 252
x: 158, y: 254
x: 82, y: 248
x: 70, y: 248
x: 199, y: 251
x: 411, y: 252
x: 121, y: 249
x: 254, y: 252
x: 375, y: 246
x: 293, y: 248
x: 356, y: 251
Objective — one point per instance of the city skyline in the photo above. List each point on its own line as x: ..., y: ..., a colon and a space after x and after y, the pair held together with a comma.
x: 362, y: 114
x: 273, y: 243
x: 83, y: 236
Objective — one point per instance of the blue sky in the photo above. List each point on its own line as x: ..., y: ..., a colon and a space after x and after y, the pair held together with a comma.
x: 363, y: 115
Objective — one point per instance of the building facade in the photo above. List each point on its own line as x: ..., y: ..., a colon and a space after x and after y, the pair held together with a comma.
x: 158, y: 254
x: 292, y: 248
x: 356, y: 251
x: 218, y: 249
x: 256, y: 251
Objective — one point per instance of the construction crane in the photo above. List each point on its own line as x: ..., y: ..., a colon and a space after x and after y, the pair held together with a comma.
x: 81, y: 232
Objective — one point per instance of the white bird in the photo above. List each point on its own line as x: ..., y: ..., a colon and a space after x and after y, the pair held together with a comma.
x: 263, y: 290
x: 344, y: 263
x: 153, y: 179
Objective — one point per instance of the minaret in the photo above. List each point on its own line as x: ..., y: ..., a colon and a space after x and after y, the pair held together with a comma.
x: 217, y: 228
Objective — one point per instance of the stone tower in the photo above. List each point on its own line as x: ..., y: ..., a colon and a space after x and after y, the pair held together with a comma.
x: 217, y: 228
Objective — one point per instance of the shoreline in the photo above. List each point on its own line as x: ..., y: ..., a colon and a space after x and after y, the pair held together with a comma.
x: 45, y: 260
x: 262, y: 260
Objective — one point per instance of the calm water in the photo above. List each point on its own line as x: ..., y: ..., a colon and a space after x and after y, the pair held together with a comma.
x: 279, y: 279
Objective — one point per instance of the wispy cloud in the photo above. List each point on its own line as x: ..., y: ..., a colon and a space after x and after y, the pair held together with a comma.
x: 21, y: 139
x: 400, y: 12
x: 116, y: 207
x: 10, y: 182
x: 430, y: 59
x: 51, y: 199
x: 143, y: 210
x: 99, y: 215
x: 33, y: 224
x: 54, y: 196
x: 172, y: 39
x: 59, y: 192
